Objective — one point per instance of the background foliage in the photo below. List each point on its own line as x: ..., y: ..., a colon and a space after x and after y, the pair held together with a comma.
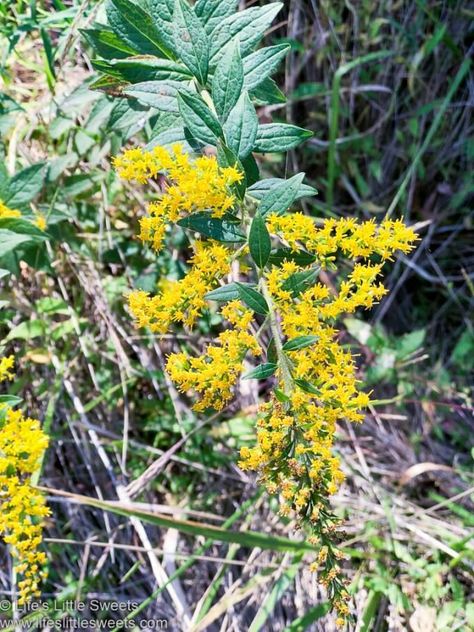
x: 386, y: 89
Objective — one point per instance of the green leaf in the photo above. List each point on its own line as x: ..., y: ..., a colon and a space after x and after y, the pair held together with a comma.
x: 253, y: 299
x: 249, y: 25
x: 241, y: 127
x: 281, y: 197
x: 169, y: 137
x: 261, y: 372
x: 24, y: 186
x: 302, y: 258
x: 252, y: 171
x: 307, y: 387
x: 260, y: 244
x: 138, y: 69
x: 9, y: 241
x: 191, y: 42
x: 228, y: 80
x: 261, y: 188
x: 268, y: 93
x: 279, y: 137
x: 9, y: 400
x: 229, y: 292
x: 301, y: 624
x: 263, y: 63
x: 23, y: 227
x: 160, y: 95
x: 136, y: 28
x: 199, y: 119
x: 301, y: 342
x: 219, y: 229
x: 300, y: 281
x: 243, y: 538
x: 107, y: 43
x: 162, y: 8
x: 212, y: 12
x: 27, y: 330
x: 280, y: 395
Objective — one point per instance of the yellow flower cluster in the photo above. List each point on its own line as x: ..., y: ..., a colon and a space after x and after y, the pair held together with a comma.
x: 317, y: 383
x: 22, y: 508
x: 6, y: 212
x: 354, y: 239
x: 191, y: 185
x: 182, y: 301
x: 6, y: 368
x: 213, y: 375
x: 295, y: 434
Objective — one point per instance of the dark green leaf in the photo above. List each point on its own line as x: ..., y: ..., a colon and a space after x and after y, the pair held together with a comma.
x: 252, y: 171
x: 24, y: 186
x: 142, y: 68
x: 228, y: 80
x: 263, y: 63
x: 261, y: 372
x: 107, y: 43
x: 260, y: 244
x: 301, y: 342
x: 279, y: 137
x: 302, y: 258
x: 219, y: 229
x: 253, y: 299
x: 241, y: 127
x: 280, y: 395
x: 249, y: 25
x: 267, y: 93
x: 199, y: 119
x: 212, y: 12
x: 300, y: 281
x: 136, y: 28
x: 307, y: 387
x: 281, y: 197
x: 10, y: 400
x: 261, y: 188
x: 191, y: 42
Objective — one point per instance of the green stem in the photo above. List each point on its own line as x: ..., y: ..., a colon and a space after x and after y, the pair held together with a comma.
x: 282, y: 359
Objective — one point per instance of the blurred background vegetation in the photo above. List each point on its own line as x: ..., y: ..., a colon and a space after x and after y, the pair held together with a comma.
x: 386, y: 88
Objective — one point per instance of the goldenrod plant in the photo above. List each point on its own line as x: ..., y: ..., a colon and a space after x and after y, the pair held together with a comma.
x: 254, y: 260
x: 22, y: 507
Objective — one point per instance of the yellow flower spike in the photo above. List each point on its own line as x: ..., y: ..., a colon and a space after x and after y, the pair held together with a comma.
x: 23, y: 509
